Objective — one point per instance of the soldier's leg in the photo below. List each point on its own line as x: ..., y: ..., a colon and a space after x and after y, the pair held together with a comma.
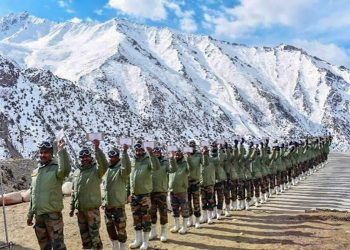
x: 183, y: 202
x: 210, y: 198
x: 110, y: 221
x: 94, y: 223
x: 54, y: 225
x: 190, y: 198
x: 162, y: 206
x: 175, y: 205
x: 196, y: 199
x: 227, y: 191
x: 136, y: 212
x: 215, y: 196
x: 84, y: 230
x: 120, y: 222
x: 41, y: 233
x: 233, y: 194
x: 154, y: 207
x: 145, y: 203
x: 220, y: 195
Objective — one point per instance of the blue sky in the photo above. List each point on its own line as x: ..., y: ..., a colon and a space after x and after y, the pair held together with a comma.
x: 321, y: 27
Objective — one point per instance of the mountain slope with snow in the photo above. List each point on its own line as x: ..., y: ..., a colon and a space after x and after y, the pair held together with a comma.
x: 129, y: 79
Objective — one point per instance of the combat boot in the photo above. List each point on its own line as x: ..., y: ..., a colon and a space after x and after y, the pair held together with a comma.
x: 138, y: 240
x: 145, y: 241
x: 163, y: 237
x: 176, y: 228
x: 183, y: 229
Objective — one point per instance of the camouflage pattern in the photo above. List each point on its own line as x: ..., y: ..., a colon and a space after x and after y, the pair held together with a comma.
x: 227, y: 190
x: 159, y: 202
x: 116, y: 223
x: 234, y: 189
x: 249, y: 187
x: 240, y: 190
x: 193, y: 198
x: 89, y: 225
x: 219, y: 194
x: 208, y: 202
x: 179, y: 204
x: 257, y: 186
x: 140, y: 208
x: 49, y: 231
x: 265, y: 184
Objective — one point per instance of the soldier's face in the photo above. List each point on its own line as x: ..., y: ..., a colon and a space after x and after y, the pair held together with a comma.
x: 139, y: 152
x: 113, y: 160
x: 45, y: 156
x: 178, y: 156
x: 157, y: 154
x: 85, y: 160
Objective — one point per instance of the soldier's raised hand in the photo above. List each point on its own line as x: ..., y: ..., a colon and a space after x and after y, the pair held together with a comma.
x: 96, y: 143
x: 125, y: 148
x: 60, y: 144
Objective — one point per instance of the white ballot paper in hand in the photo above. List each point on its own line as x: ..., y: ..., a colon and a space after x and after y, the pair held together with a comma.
x: 220, y: 141
x: 188, y: 149
x: 60, y: 135
x: 95, y: 136
x: 172, y: 148
x: 125, y: 141
x: 149, y: 144
x: 204, y: 143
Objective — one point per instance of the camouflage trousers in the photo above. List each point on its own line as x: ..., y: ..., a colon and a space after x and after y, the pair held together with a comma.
x: 227, y: 191
x: 140, y: 208
x: 179, y: 204
x: 159, y: 202
x: 49, y: 231
x: 234, y: 189
x: 278, y: 178
x: 265, y: 184
x: 89, y: 226
x: 257, y: 186
x: 193, y: 198
x: 116, y: 223
x: 219, y: 194
x: 240, y: 190
x: 208, y: 202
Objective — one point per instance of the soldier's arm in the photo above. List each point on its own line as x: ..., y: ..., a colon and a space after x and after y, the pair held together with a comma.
x: 30, y: 210
x: 64, y: 166
x: 172, y: 165
x: 222, y: 156
x: 102, y: 163
x: 154, y: 162
x: 125, y: 165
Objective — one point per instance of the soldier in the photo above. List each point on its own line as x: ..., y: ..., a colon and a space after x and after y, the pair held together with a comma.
x: 115, y: 196
x: 194, y: 185
x: 257, y: 175
x: 46, y: 200
x: 220, y: 179
x: 86, y: 197
x: 178, y: 186
x: 140, y: 189
x: 159, y: 194
x: 232, y: 158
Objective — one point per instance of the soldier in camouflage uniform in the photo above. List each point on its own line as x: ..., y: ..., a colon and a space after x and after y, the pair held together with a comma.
x: 159, y: 193
x: 178, y: 185
x: 221, y: 178
x: 115, y: 196
x: 194, y: 186
x: 232, y: 158
x: 140, y: 188
x: 86, y: 197
x: 257, y: 175
x: 46, y: 202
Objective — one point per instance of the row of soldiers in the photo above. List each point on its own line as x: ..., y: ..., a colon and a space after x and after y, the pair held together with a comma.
x: 203, y: 185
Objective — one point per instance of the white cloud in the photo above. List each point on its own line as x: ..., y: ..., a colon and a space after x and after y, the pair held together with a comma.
x: 188, y: 25
x: 75, y: 20
x: 150, y: 9
x: 329, y: 52
x: 65, y: 5
x: 99, y: 12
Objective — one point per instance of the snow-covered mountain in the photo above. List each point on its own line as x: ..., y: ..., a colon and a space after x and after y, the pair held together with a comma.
x: 134, y: 80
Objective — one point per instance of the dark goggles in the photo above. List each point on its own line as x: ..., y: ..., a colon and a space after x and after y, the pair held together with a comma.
x: 138, y: 146
x: 84, y: 151
x: 113, y: 153
x: 157, y: 150
x: 192, y: 143
x: 45, y: 145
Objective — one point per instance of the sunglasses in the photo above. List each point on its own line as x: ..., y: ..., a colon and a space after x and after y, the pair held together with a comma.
x: 84, y: 152
x: 45, y: 145
x: 157, y: 150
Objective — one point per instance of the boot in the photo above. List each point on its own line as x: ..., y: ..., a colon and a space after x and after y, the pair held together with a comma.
x: 204, y: 218
x: 115, y: 245
x: 256, y: 201
x: 176, y: 228
x: 138, y: 240
x: 121, y: 246
x: 210, y: 218
x: 183, y: 229
x: 190, y: 221
x: 145, y: 241
x: 197, y: 223
x: 227, y: 211
x: 153, y: 233
x: 281, y: 188
x: 277, y: 190
x: 233, y: 205
x: 218, y: 214
x: 214, y: 213
x: 246, y: 203
x: 239, y: 205
x: 163, y: 237
x: 266, y: 197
